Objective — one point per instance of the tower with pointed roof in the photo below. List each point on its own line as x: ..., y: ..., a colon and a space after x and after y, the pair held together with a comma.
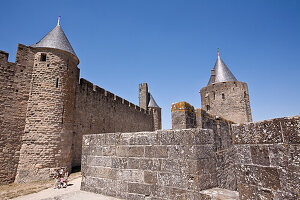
x: 50, y: 107
x: 147, y: 102
x: 156, y: 110
x: 225, y: 96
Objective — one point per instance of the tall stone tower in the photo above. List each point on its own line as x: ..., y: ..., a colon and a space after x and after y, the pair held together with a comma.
x: 147, y: 102
x: 143, y: 95
x: 47, y: 140
x: 225, y: 96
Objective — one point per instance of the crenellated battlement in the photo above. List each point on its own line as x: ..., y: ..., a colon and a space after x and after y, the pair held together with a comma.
x: 88, y: 88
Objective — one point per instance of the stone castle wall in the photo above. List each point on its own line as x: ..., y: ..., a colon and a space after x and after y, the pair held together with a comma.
x: 229, y: 100
x: 168, y: 164
x: 44, y: 112
x: 260, y: 160
x: 267, y: 159
x: 14, y: 83
x: 100, y: 111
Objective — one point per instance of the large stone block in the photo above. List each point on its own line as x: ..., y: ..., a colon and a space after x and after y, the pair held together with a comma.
x: 156, y: 151
x: 130, y: 151
x: 264, y: 132
x: 260, y: 155
x: 291, y: 129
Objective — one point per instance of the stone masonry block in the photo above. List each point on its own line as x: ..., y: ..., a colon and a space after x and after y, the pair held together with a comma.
x: 291, y: 129
x: 102, y: 172
x: 150, y: 177
x: 266, y: 177
x: 120, y: 163
x: 150, y: 164
x: 131, y: 175
x: 264, y: 132
x: 130, y: 151
x: 260, y: 155
x: 139, y: 188
x: 171, y: 165
x: 191, y: 152
x: 278, y: 155
x: 156, y: 151
x: 242, y: 154
x: 109, y: 150
x: 172, y: 180
x: 99, y: 161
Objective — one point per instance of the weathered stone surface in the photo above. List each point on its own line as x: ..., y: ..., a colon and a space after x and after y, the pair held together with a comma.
x: 291, y: 130
x: 260, y: 155
x: 264, y: 132
x: 155, y: 166
x: 181, y: 163
x: 14, y: 93
x: 220, y: 194
x: 273, y: 170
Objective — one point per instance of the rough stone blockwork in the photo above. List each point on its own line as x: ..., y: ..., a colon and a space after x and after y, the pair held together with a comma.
x: 100, y: 111
x: 14, y: 84
x: 267, y: 159
x: 170, y: 164
x: 185, y: 116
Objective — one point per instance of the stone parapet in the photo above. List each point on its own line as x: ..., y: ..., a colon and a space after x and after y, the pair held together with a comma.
x: 267, y: 157
x: 166, y: 164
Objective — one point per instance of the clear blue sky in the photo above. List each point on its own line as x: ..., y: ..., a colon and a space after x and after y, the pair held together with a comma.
x: 172, y: 45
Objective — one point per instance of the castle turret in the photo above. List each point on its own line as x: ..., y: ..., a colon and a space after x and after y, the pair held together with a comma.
x: 47, y: 140
x: 225, y: 96
x: 156, y: 110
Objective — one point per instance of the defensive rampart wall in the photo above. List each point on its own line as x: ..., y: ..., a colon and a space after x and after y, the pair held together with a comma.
x: 100, y: 111
x: 44, y: 112
x: 260, y: 160
x: 267, y: 159
x: 169, y: 164
x: 14, y: 83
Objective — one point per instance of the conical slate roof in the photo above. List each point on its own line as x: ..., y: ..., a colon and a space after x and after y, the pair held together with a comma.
x: 222, y: 72
x: 56, y: 39
x: 152, y: 103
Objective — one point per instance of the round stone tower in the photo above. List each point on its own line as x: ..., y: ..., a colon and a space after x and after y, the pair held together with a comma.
x: 225, y: 96
x: 47, y: 141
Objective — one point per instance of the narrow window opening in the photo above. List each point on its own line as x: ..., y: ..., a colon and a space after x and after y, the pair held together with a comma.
x: 214, y: 94
x: 245, y: 95
x: 43, y: 57
x: 48, y: 65
x: 207, y: 107
x: 223, y: 96
x: 57, y: 82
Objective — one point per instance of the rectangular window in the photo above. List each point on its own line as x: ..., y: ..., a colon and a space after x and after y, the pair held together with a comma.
x: 223, y: 96
x: 57, y: 82
x: 43, y: 57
